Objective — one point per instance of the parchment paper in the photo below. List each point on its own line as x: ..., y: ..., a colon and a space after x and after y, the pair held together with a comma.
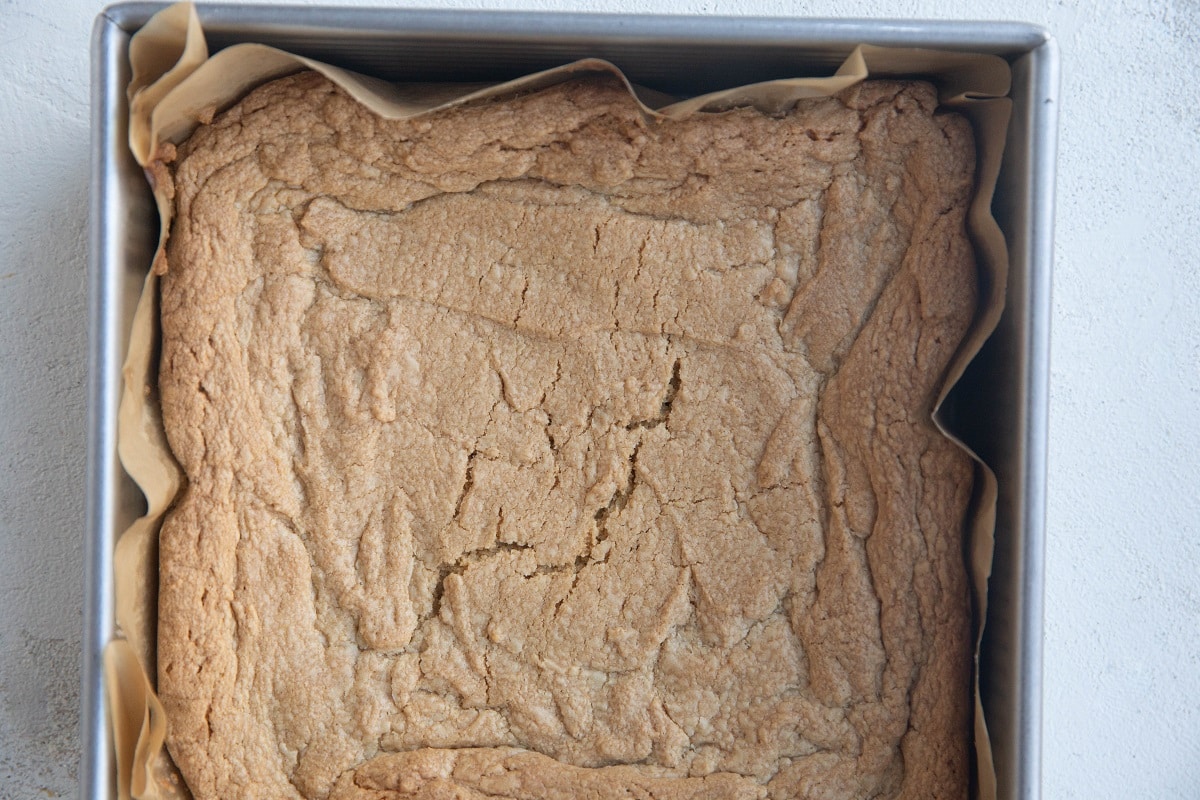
x: 177, y: 86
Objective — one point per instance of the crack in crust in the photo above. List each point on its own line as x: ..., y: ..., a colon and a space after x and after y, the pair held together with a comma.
x: 537, y: 451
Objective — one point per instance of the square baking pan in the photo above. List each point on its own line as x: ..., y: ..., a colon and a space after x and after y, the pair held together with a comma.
x: 999, y: 408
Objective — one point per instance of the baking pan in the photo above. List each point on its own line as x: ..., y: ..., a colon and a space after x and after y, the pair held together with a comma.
x: 999, y: 408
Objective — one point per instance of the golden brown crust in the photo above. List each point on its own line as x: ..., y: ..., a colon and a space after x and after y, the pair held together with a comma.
x: 538, y: 451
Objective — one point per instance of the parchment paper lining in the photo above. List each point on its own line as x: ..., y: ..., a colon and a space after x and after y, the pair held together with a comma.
x: 177, y: 86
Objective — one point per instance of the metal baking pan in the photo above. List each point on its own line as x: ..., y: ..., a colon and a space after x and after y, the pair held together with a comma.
x: 1000, y: 406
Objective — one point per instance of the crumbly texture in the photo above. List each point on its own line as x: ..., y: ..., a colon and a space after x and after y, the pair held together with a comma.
x: 537, y: 450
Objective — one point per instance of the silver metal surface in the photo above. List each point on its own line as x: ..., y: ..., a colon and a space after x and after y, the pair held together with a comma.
x: 122, y: 233
x: 999, y: 408
x: 1011, y: 380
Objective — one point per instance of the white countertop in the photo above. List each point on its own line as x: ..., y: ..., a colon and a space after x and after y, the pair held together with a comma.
x: 1122, y: 647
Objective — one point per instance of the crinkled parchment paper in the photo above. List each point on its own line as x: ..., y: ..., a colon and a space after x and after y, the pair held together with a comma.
x: 176, y: 86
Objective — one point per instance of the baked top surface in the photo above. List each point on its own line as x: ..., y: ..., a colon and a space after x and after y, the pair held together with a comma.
x: 536, y: 450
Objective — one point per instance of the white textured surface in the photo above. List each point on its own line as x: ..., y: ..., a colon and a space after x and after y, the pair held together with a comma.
x: 1122, y: 678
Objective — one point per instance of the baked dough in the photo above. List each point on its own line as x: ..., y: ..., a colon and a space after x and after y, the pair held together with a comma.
x: 538, y: 450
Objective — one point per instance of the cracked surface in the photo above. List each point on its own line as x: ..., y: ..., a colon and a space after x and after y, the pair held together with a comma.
x: 538, y: 451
